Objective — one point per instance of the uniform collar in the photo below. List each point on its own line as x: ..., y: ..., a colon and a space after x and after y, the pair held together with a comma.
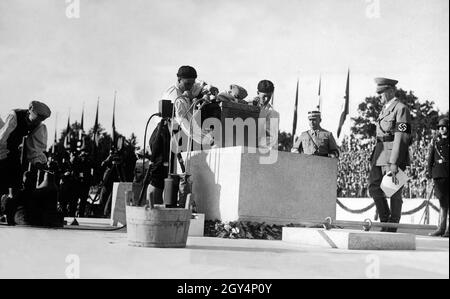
x: 318, y: 130
x: 389, y: 106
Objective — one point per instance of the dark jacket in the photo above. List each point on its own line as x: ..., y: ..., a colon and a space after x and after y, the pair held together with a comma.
x: 22, y: 129
x: 438, y: 158
x: 160, y: 148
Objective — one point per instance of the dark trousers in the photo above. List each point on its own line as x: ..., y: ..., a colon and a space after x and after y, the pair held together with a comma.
x: 67, y: 197
x: 392, y: 214
x: 83, y: 194
x: 441, y: 191
x: 10, y: 175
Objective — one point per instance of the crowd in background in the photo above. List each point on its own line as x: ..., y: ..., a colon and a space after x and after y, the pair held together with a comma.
x: 354, y: 168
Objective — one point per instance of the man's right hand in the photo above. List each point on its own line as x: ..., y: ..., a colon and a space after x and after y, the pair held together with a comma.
x: 394, y: 171
x: 208, y: 139
x: 188, y: 94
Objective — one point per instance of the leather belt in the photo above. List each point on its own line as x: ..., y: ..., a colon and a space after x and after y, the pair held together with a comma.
x: 388, y: 138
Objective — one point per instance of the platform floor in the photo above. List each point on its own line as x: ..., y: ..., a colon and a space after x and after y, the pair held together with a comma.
x: 42, y: 253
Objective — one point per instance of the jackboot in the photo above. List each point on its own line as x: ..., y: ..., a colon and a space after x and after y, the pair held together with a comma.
x: 446, y: 230
x: 396, y: 210
x: 383, y: 210
x: 442, y: 224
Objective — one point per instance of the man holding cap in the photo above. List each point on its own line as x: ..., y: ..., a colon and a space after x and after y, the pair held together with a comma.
x: 438, y: 155
x: 316, y: 141
x: 22, y: 123
x: 265, y: 91
x: 393, y: 131
x: 236, y: 94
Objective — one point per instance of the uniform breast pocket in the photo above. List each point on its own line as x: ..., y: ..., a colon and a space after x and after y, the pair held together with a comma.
x: 387, y: 124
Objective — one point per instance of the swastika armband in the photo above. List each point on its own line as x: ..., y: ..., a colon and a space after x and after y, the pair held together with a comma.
x: 403, y: 128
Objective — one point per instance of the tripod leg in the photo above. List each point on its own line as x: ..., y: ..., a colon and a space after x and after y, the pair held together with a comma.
x: 144, y: 185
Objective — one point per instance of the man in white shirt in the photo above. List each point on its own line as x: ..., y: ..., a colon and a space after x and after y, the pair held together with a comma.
x: 268, y: 131
x: 18, y: 124
x: 186, y: 95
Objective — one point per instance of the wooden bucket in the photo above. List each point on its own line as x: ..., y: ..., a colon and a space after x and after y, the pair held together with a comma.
x: 157, y: 226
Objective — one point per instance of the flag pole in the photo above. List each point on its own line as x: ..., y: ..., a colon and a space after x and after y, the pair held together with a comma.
x: 114, y: 121
x: 319, y: 93
x: 345, y: 109
x: 294, y: 124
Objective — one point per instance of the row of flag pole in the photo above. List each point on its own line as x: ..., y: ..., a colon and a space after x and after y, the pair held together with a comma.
x: 96, y: 135
x: 344, y: 111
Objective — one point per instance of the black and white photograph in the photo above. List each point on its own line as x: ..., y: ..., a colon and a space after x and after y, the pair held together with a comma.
x: 222, y: 147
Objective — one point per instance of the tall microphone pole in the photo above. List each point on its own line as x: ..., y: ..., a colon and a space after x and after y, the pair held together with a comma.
x: 144, y: 182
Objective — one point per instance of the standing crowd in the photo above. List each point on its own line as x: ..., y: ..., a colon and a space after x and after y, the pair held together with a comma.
x: 354, y: 167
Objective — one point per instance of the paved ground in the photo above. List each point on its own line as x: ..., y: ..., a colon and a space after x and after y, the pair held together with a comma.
x: 46, y: 253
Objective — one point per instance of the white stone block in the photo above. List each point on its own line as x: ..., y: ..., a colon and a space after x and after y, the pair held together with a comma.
x: 118, y: 214
x: 349, y: 239
x: 197, y: 225
x: 231, y: 184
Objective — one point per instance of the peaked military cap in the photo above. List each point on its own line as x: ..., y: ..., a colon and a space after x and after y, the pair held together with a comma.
x: 40, y: 109
x: 314, y: 114
x: 384, y: 83
x: 238, y: 91
x: 443, y: 123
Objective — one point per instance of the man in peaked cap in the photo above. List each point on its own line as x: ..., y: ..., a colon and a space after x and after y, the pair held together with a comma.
x: 438, y: 169
x: 22, y: 123
x: 391, y: 153
x: 316, y: 141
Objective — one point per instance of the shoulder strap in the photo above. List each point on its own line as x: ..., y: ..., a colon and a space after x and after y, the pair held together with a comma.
x: 437, y: 150
x: 312, y: 139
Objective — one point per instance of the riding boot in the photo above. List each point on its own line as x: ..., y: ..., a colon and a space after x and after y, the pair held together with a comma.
x: 396, y: 210
x: 383, y: 210
x: 442, y: 225
x: 446, y: 230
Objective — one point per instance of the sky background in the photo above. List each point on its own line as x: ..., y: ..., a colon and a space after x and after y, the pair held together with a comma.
x: 136, y: 47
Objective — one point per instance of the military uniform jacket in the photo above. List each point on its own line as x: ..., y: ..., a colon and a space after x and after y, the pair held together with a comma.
x: 393, y: 135
x: 320, y: 143
x: 438, y: 158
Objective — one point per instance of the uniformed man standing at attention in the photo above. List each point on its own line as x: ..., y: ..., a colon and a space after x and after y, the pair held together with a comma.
x: 391, y: 151
x: 438, y: 170
x: 316, y: 141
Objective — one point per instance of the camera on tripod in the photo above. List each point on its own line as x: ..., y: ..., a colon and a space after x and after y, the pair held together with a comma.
x: 116, y: 157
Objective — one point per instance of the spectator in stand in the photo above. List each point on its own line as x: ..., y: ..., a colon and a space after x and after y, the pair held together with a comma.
x: 354, y: 167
